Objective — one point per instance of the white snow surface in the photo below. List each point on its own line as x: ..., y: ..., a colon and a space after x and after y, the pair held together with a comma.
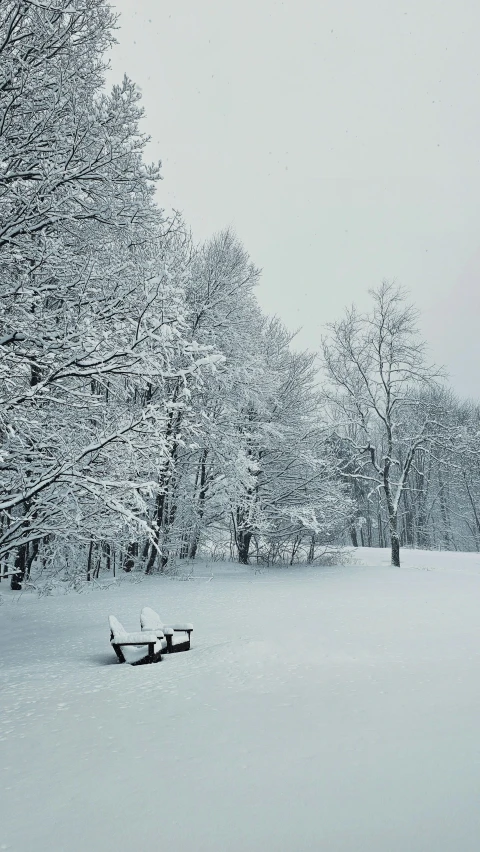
x: 323, y: 709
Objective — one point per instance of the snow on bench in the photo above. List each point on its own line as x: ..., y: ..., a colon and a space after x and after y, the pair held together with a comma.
x: 150, y: 620
x: 120, y: 638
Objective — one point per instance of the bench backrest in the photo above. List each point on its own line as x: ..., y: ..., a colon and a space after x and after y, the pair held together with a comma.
x: 118, y: 630
x: 150, y: 620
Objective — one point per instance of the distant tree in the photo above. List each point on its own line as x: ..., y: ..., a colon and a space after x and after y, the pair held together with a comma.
x: 293, y: 493
x: 377, y: 383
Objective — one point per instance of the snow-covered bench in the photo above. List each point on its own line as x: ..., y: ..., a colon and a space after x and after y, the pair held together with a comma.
x: 151, y: 621
x: 119, y: 638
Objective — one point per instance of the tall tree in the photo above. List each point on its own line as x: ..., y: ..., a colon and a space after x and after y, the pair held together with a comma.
x: 377, y: 378
x: 91, y: 307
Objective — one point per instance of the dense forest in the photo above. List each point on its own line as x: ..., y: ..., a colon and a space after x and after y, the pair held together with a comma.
x: 150, y: 412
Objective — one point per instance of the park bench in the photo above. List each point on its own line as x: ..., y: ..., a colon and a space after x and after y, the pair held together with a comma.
x: 150, y: 621
x: 119, y: 638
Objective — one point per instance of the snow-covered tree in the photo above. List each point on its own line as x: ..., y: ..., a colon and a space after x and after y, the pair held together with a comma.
x: 92, y: 316
x: 377, y: 379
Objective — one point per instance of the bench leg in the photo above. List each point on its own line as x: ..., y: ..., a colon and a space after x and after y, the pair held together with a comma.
x: 151, y: 656
x: 118, y: 651
x: 182, y: 646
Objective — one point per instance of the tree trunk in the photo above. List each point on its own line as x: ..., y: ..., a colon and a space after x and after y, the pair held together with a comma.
x: 170, y: 512
x: 159, y: 510
x: 243, y: 546
x: 192, y: 552
x: 19, y: 565
x: 89, y: 561
x: 202, y: 478
x: 392, y: 508
x: 395, y: 541
x: 34, y: 548
x: 129, y: 561
x: 295, y: 547
x: 164, y: 480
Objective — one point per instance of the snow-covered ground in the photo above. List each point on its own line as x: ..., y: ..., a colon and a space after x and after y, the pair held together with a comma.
x: 330, y: 709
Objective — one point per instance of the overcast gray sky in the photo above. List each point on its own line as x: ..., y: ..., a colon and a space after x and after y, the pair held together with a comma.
x: 339, y: 138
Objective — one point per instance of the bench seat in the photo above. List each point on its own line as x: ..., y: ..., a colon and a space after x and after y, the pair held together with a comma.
x: 150, y: 620
x: 120, y: 638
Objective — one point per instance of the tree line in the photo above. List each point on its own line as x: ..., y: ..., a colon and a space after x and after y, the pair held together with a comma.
x: 409, y: 450
x: 149, y: 410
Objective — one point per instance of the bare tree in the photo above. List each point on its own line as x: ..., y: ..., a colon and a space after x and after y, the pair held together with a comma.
x: 377, y: 378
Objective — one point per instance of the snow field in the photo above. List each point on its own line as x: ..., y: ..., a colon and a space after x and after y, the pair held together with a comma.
x: 326, y: 709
